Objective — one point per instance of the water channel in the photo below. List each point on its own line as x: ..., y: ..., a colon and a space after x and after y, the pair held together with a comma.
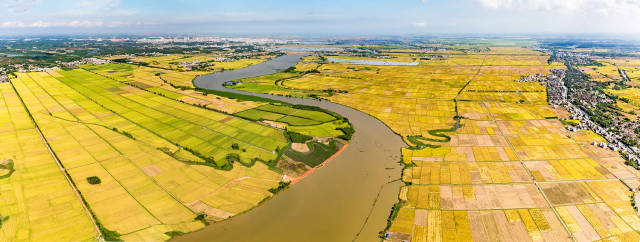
x: 349, y: 199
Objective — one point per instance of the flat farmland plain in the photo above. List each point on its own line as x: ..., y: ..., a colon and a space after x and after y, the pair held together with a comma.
x: 489, y: 159
x: 208, y: 134
x: 156, y: 80
x: 37, y: 201
x: 149, y: 188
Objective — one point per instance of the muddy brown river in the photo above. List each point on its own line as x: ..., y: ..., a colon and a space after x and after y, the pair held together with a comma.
x: 349, y: 199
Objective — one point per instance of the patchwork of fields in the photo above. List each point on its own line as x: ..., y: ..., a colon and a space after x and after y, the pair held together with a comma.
x: 137, y: 153
x: 214, y: 62
x: 37, y: 201
x: 154, y: 159
x: 168, y: 83
x: 509, y: 171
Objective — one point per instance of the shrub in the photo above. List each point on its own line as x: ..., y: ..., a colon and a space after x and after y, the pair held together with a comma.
x: 202, y: 218
x: 93, y: 180
x: 281, y: 186
x: 232, y: 157
x: 297, y: 137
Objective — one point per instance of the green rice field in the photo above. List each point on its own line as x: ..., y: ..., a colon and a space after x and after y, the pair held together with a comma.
x: 139, y: 162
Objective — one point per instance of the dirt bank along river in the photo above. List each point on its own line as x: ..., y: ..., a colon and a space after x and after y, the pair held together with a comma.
x: 345, y: 200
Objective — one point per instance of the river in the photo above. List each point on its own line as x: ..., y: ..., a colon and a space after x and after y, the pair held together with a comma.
x: 349, y: 199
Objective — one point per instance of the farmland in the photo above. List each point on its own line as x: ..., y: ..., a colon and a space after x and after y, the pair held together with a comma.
x: 38, y: 203
x: 146, y: 165
x: 130, y: 149
x: 172, y: 84
x: 205, y: 62
x: 489, y: 159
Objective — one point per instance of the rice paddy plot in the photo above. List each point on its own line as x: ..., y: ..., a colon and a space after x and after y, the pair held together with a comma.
x: 195, y: 129
x: 157, y: 81
x: 477, y: 225
x: 159, y: 193
x: 91, y: 151
x: 434, y: 173
x: 37, y: 202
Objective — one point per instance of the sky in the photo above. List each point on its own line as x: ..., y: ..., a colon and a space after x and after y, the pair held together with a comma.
x: 327, y: 17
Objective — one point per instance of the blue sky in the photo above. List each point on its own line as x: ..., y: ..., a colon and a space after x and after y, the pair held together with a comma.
x: 319, y: 16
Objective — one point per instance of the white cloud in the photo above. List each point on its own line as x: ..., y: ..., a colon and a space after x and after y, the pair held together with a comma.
x: 602, y: 7
x: 96, y: 8
x: 17, y: 6
x: 71, y: 24
x: 420, y: 24
x: 98, y: 4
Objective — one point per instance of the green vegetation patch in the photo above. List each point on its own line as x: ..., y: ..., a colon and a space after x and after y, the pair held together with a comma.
x: 94, y: 180
x: 258, y: 115
x: 297, y: 137
x: 281, y: 186
x: 240, y: 97
x: 6, y: 168
x: 441, y: 135
x: 202, y: 218
x: 5, y: 218
x: 292, y: 115
x: 165, y: 93
x: 296, y: 121
x: 329, y: 129
x: 117, y: 71
x: 318, y: 153
x: 200, y: 132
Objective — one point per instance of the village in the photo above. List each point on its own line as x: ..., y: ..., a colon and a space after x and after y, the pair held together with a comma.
x: 587, y: 99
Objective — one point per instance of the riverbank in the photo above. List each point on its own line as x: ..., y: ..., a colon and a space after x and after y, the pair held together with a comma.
x: 348, y: 199
x: 297, y: 179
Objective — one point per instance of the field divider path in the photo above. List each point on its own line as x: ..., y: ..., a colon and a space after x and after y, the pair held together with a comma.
x: 90, y: 215
x: 455, y: 99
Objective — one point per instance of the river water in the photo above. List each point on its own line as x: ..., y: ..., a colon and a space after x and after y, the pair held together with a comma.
x: 349, y: 199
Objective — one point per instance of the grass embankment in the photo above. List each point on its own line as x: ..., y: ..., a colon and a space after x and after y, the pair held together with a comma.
x: 441, y: 133
x: 318, y: 152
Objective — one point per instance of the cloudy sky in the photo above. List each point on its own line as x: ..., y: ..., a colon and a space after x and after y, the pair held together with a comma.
x: 319, y: 16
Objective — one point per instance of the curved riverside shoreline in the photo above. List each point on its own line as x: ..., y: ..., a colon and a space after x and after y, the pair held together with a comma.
x: 347, y: 199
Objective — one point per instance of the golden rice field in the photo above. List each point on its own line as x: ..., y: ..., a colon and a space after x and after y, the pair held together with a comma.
x: 632, y: 94
x: 630, y: 65
x: 149, y: 187
x: 37, y: 201
x: 172, y: 61
x: 145, y: 163
x: 166, y: 83
x: 604, y: 73
x: 510, y: 172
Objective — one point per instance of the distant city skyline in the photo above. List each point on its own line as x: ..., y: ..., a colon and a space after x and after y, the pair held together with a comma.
x: 18, y: 17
